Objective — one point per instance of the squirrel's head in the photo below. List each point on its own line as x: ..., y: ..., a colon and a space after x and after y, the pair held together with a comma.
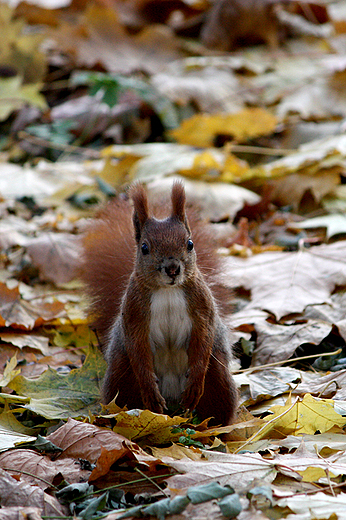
x: 165, y: 251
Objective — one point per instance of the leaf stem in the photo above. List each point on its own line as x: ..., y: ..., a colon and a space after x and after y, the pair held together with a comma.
x: 277, y: 363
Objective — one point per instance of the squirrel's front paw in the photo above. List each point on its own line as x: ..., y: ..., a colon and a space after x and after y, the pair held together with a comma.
x: 192, y: 395
x: 154, y: 401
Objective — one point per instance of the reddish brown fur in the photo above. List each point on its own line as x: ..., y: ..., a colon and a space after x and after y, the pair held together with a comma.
x: 109, y: 257
x: 112, y: 276
x: 178, y: 201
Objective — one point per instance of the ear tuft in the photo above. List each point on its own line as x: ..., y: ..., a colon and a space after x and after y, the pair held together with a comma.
x: 178, y: 201
x: 140, y: 208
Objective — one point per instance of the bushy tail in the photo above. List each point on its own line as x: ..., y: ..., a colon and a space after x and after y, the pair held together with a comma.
x: 107, y: 262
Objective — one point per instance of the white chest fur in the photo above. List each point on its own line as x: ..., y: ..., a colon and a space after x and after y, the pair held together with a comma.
x: 169, y: 335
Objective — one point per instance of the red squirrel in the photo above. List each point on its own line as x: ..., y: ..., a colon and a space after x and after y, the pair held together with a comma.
x: 160, y: 328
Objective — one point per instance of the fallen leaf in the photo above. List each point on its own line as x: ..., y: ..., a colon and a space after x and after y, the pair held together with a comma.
x: 236, y: 470
x: 57, y: 255
x: 139, y: 424
x: 327, y: 386
x: 17, y: 494
x: 99, y: 446
x: 17, y: 313
x: 306, y: 416
x: 38, y: 470
x: 98, y: 37
x: 13, y: 432
x: 335, y: 224
x: 13, y: 95
x: 290, y: 190
x: 200, y: 130
x: 318, y: 505
x: 61, y: 396
x: 265, y: 383
x: 20, y: 49
x: 202, y: 83
x: 21, y: 341
x: 285, y: 283
x: 215, y: 201
x: 333, y: 441
x: 309, y: 159
x: 277, y: 342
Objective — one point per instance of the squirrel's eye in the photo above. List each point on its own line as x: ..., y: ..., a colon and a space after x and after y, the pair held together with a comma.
x: 145, y: 248
x: 189, y: 245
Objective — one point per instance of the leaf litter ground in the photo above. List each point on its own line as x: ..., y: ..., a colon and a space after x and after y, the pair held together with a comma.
x: 280, y: 228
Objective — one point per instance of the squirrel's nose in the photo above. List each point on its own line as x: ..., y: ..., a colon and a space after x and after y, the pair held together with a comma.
x: 172, y: 269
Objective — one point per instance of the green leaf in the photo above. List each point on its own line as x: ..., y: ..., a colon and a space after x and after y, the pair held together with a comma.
x: 96, y: 504
x: 262, y: 491
x: 73, y: 491
x: 58, y: 132
x: 159, y: 509
x: 133, y: 512
x: 199, y: 494
x: 178, y: 504
x: 230, y: 506
x: 56, y: 396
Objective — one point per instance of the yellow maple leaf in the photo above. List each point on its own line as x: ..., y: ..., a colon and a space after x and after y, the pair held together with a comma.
x: 306, y: 416
x: 201, y: 129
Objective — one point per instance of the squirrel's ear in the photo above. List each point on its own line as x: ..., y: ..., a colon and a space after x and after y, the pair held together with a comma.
x: 178, y: 201
x: 140, y: 208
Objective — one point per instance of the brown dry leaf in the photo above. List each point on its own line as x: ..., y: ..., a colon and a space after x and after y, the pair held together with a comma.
x: 99, y: 38
x: 310, y: 159
x: 290, y: 190
x: 39, y: 470
x: 329, y: 385
x: 285, y: 283
x: 278, y: 342
x: 265, y: 384
x: 18, y: 513
x: 310, y: 466
x: 251, y: 21
x: 201, y: 129
x: 317, y: 505
x: 21, y: 341
x: 40, y: 15
x: 98, y: 445
x: 18, y: 494
x: 17, y: 313
x: 57, y: 255
x: 200, y: 81
x: 237, y: 470
x: 177, y: 452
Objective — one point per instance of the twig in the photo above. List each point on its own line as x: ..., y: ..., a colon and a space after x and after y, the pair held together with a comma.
x: 276, y: 363
x: 265, y: 426
x: 61, y: 147
x: 260, y: 150
x: 31, y: 475
x: 152, y: 482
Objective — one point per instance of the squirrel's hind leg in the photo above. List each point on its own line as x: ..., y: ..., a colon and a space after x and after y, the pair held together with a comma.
x: 219, y: 399
x: 120, y: 382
